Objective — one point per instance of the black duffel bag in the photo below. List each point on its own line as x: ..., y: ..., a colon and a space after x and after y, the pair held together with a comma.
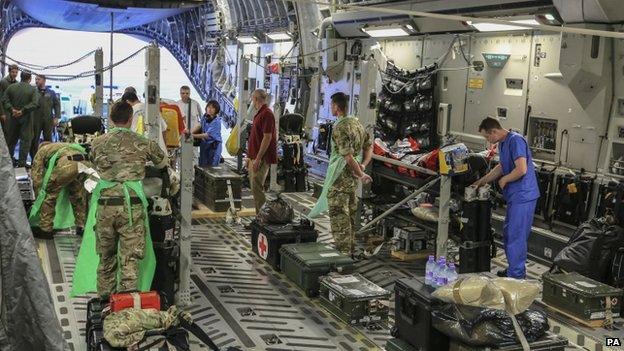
x: 276, y: 211
x: 477, y: 326
x: 590, y: 250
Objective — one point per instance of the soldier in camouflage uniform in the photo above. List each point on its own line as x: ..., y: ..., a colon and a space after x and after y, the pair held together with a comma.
x: 64, y: 175
x: 20, y: 101
x: 120, y: 157
x: 350, y: 140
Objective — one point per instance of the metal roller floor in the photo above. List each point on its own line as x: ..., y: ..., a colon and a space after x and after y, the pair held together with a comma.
x: 239, y: 300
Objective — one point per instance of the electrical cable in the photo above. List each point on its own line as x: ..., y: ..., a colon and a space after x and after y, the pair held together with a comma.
x: 86, y: 74
x: 39, y: 67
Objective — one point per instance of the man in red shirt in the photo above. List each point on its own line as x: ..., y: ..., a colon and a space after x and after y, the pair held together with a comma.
x: 262, y: 146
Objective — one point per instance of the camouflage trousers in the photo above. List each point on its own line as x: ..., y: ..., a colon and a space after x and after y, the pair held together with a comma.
x: 113, y: 230
x: 64, y: 175
x: 342, y: 211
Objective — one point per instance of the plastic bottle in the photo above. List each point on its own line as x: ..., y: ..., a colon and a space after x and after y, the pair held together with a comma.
x: 442, y: 271
x: 451, y: 274
x: 438, y: 271
x: 429, y: 268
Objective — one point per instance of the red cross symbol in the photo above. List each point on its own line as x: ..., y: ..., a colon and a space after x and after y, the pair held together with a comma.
x: 263, y: 249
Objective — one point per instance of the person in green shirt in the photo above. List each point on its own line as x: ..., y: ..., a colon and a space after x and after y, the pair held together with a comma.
x: 46, y: 116
x: 4, y: 84
x: 20, y: 101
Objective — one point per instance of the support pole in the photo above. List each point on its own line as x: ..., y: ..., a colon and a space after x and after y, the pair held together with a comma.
x: 187, y: 176
x: 110, y: 88
x: 152, y: 91
x: 397, y: 205
x: 443, y: 216
x: 98, y: 109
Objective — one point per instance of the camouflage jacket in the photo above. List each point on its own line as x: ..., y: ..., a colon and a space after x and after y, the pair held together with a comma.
x: 127, y: 327
x: 44, y: 154
x: 4, y: 84
x: 350, y: 138
x: 121, y: 155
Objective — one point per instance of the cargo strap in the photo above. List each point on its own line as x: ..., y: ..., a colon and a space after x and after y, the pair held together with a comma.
x: 469, y: 245
x: 199, y: 333
x: 519, y: 333
x: 136, y: 300
x: 608, y: 322
x: 456, y: 295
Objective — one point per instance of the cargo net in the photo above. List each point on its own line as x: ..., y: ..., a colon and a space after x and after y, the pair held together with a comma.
x: 407, y: 108
x: 406, y: 127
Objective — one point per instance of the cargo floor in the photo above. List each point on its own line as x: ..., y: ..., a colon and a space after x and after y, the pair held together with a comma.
x: 239, y: 300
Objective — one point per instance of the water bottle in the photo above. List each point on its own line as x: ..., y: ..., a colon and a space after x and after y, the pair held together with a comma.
x: 429, y: 268
x: 438, y: 271
x: 451, y: 275
x: 441, y: 278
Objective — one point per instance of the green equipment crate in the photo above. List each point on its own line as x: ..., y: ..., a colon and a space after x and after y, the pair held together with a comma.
x: 579, y: 296
x: 395, y: 344
x: 305, y: 263
x: 354, y: 299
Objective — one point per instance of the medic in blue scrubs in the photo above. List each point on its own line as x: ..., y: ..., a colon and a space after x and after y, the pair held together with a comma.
x: 209, y: 132
x: 516, y: 176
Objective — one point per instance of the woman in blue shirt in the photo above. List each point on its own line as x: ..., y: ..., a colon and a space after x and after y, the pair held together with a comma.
x: 208, y: 132
x: 516, y: 177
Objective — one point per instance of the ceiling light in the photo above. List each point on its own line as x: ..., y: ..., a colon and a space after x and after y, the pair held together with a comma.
x: 550, y: 17
x: 279, y: 36
x: 495, y: 27
x: 386, y: 32
x: 247, y: 39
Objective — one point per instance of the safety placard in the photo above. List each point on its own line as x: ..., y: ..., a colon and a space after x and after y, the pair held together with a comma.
x: 475, y: 83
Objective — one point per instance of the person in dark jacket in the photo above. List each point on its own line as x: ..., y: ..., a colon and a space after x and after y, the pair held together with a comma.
x: 46, y: 116
x: 209, y: 132
x: 20, y: 101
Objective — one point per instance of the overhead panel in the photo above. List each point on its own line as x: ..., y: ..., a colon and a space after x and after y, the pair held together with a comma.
x: 452, y: 82
x: 406, y: 54
x: 500, y: 88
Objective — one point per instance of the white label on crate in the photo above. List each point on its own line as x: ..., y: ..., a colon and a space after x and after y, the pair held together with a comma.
x: 330, y: 254
x: 346, y: 280
x: 355, y: 292
x: 597, y: 315
x: 586, y: 284
x: 331, y: 296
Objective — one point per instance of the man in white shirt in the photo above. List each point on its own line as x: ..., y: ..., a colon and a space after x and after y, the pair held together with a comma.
x: 196, y: 109
x: 138, y: 118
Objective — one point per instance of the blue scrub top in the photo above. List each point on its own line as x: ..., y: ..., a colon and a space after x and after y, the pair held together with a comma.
x: 524, y: 189
x: 210, y: 149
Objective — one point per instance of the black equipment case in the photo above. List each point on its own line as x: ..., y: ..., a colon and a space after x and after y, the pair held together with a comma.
x: 477, y: 242
x: 413, y: 306
x: 266, y: 239
x: 210, y: 187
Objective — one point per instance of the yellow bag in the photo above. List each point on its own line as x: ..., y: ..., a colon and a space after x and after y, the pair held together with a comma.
x: 233, y: 143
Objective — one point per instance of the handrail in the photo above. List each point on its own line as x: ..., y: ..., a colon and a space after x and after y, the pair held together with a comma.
x: 405, y: 165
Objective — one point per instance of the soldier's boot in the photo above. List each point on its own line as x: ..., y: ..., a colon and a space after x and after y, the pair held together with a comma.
x: 42, y: 234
